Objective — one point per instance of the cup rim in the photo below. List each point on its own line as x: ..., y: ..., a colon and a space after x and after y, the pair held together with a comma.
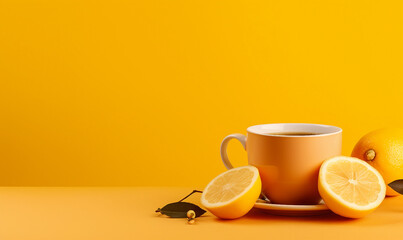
x: 331, y: 130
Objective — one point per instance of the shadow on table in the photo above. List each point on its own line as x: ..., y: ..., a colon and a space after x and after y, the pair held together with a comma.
x: 389, y: 213
x: 257, y: 215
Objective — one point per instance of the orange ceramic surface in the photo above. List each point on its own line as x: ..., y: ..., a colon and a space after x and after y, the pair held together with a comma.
x: 128, y: 214
x: 289, y: 165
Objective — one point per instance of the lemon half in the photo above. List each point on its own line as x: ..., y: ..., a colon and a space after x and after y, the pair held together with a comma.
x: 350, y: 187
x: 233, y: 193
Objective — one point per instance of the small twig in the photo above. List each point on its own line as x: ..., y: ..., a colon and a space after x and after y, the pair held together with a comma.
x: 194, y: 191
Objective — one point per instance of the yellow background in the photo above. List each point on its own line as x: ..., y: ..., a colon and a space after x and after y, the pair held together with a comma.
x: 142, y: 92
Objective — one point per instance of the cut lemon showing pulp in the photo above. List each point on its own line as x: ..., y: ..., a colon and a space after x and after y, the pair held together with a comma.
x: 350, y: 187
x: 233, y: 193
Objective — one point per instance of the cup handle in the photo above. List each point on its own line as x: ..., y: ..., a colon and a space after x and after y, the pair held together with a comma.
x: 224, y: 144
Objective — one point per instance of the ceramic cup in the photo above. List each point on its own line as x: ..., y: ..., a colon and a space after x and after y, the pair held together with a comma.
x: 288, y: 164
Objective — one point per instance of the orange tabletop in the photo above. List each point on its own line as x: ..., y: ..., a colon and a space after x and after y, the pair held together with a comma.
x: 128, y: 213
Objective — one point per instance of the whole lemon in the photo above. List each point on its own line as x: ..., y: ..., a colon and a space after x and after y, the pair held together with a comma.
x: 383, y: 149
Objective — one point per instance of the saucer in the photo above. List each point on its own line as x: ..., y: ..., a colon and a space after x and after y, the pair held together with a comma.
x: 291, y: 210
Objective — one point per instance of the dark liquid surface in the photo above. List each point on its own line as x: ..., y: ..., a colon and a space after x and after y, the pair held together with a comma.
x: 293, y: 133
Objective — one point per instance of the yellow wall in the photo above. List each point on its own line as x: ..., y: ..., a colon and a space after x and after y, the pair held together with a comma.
x: 142, y: 92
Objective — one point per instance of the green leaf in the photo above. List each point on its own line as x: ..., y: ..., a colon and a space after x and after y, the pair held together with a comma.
x: 180, y: 209
x: 397, y: 185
